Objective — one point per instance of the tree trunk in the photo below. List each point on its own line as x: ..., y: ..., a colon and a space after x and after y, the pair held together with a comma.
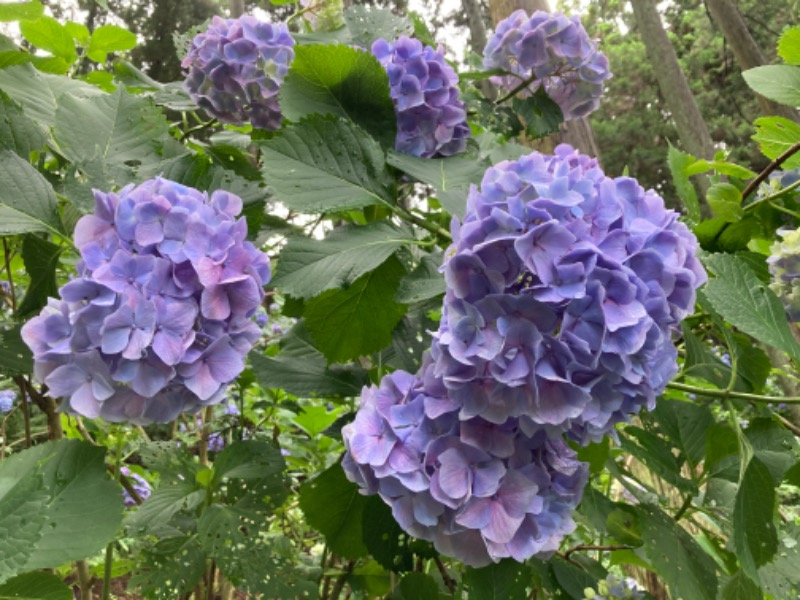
x: 691, y: 127
x: 578, y: 132
x: 236, y: 7
x: 748, y: 54
x: 477, y: 39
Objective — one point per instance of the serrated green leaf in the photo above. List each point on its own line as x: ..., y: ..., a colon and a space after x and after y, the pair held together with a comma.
x: 741, y: 587
x: 679, y: 164
x: 746, y: 303
x: 17, y: 11
x: 324, y: 164
x: 51, y: 36
x: 308, y: 267
x: 15, y: 356
x: 596, y: 454
x: 170, y: 568
x: 657, y: 455
x: 384, y: 538
x: 35, y: 586
x: 505, y: 580
x: 789, y: 46
x: 163, y: 503
x: 781, y: 577
x: 79, y: 32
x: 343, y: 81
x: 725, y: 201
x: 41, y: 260
x: 423, y: 283
x: 686, y: 424
x: 780, y: 83
x: 316, y: 419
x: 27, y: 200
x: 687, y: 569
x: 417, y: 586
x: 541, y: 114
x: 109, y: 38
x: 18, y: 132
x: 252, y: 459
x: 356, y: 321
x: 773, y: 445
x: 334, y: 507
x: 623, y: 524
x: 369, y: 23
x: 754, y: 534
x: 572, y: 578
x: 775, y: 135
x: 302, y: 370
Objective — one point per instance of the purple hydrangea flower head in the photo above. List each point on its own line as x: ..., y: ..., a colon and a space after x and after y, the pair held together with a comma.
x: 431, y: 119
x: 556, y: 52
x: 613, y: 587
x: 7, y: 398
x: 784, y: 265
x: 161, y: 325
x: 140, y: 485
x: 234, y: 72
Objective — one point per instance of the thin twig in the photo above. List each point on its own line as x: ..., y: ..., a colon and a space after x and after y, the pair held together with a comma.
x: 448, y: 581
x: 772, y: 197
x: 594, y: 547
x: 8, y: 274
x: 788, y: 424
x: 725, y: 394
x: 341, y: 580
x: 684, y: 507
x: 769, y: 169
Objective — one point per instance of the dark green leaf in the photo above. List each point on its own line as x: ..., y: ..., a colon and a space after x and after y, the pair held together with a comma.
x: 725, y: 200
x: 342, y: 81
x: 624, y: 525
x: 35, y: 586
x: 201, y: 173
x: 423, y: 283
x: 687, y: 569
x: 773, y: 445
x: 302, y: 370
x: 781, y: 577
x: 686, y: 424
x: 571, y: 578
x: 165, y: 502
x: 334, y: 507
x: 596, y: 454
x: 701, y: 362
x: 741, y: 299
x: 369, y: 23
x: 384, y: 538
x: 15, y: 356
x: 780, y: 83
x: 41, y: 259
x: 170, y: 568
x: 541, y: 114
x: 27, y: 201
x: 596, y: 508
x: 753, y: 531
x: 356, y: 321
x: 324, y: 164
x: 775, y: 135
x: 721, y: 443
x: 50, y: 35
x: 17, y: 11
x: 417, y: 586
x: 741, y: 587
x: 109, y: 38
x: 308, y: 267
x: 251, y: 459
x: 17, y: 131
x: 657, y: 455
x: 679, y: 163
x: 505, y: 580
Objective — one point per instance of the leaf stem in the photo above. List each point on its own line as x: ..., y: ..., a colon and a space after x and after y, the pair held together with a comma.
x: 727, y: 394
x: 108, y: 564
x: 594, y: 547
x: 751, y: 187
x: 8, y: 274
x: 411, y: 217
x: 687, y: 503
x: 772, y: 197
x: 525, y: 83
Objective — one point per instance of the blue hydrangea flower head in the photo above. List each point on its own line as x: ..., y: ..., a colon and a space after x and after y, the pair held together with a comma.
x: 7, y: 398
x: 431, y: 120
x: 158, y: 321
x: 236, y: 67
x: 613, y: 587
x: 556, y: 51
x: 139, y: 484
x: 784, y: 266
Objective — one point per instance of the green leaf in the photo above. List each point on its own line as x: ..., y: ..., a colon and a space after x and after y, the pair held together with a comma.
x: 775, y: 135
x: 80, y: 33
x: 450, y: 176
x: 35, y: 586
x: 679, y: 164
x: 781, y: 577
x: 109, y: 38
x: 746, y: 303
x: 170, y: 568
x: 657, y: 455
x: 334, y: 507
x: 773, y: 445
x: 596, y: 454
x: 41, y: 260
x: 687, y: 569
x: 69, y: 510
x: 27, y: 200
x: 18, y: 132
x: 385, y: 540
x: 315, y: 419
x: 789, y: 46
x: 324, y: 164
x: 572, y: 578
x: 17, y: 11
x: 780, y: 83
x: 623, y: 524
x: 541, y: 114
x: 302, y: 370
x: 754, y: 534
x: 111, y: 137
x: 423, y: 283
x: 15, y: 356
x: 164, y: 502
x: 505, y: 580
x: 686, y: 424
x: 726, y: 202
x: 308, y: 267
x: 417, y: 586
x: 369, y: 23
x: 342, y: 81
x: 51, y: 36
x: 252, y: 459
x: 741, y: 587
x: 356, y: 321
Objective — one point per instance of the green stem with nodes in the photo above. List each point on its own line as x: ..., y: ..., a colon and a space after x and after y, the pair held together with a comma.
x: 409, y: 216
x: 109, y: 560
x: 525, y: 83
x: 726, y: 394
x: 772, y: 197
x: 198, y: 128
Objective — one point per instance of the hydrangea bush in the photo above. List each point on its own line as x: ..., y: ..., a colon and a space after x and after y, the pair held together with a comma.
x: 158, y: 321
x: 553, y: 51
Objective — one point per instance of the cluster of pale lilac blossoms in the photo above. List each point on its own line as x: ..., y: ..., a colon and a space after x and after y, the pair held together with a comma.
x: 158, y: 321
x: 564, y: 289
x: 784, y: 260
x: 556, y: 52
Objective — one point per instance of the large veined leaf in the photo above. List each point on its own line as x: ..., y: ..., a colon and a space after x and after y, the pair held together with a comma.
x: 57, y: 504
x: 506, y: 580
x: 15, y: 11
x: 324, y: 164
x: 424, y: 282
x: 41, y: 260
x: 368, y: 23
x: 35, y: 586
x: 17, y: 131
x: 780, y: 83
x: 343, y: 81
x: 27, y: 200
x: 15, y: 356
x: 112, y: 136
x: 775, y: 135
x: 754, y: 534
x: 170, y: 568
x: 745, y: 302
x: 308, y: 267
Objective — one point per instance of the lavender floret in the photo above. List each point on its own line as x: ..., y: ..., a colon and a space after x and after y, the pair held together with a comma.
x: 7, y: 398
x: 139, y: 484
x: 556, y: 51
x: 431, y: 119
x: 158, y: 323
x: 236, y: 68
